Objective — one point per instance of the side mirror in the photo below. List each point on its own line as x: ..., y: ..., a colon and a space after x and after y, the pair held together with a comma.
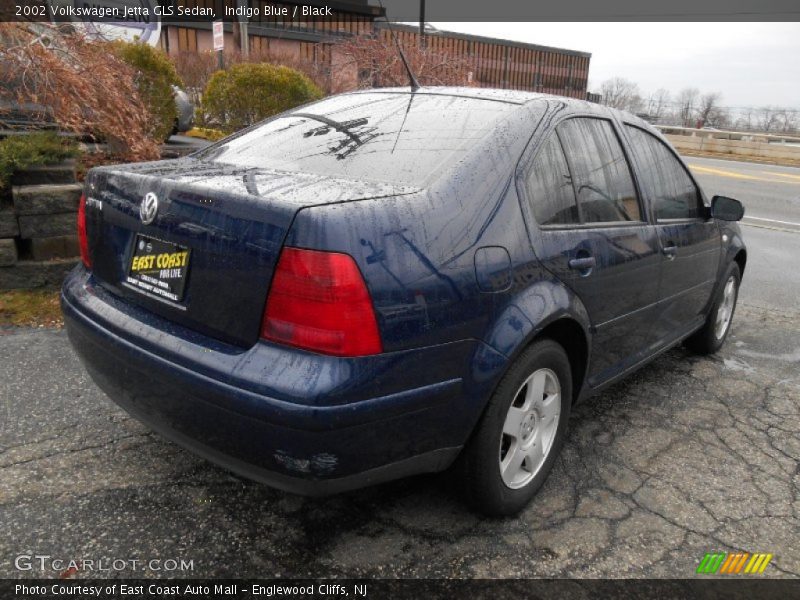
x: 726, y: 208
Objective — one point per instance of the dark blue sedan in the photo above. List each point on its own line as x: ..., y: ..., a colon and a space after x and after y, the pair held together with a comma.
x: 393, y: 282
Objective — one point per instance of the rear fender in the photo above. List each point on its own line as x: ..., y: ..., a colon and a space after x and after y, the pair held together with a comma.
x: 526, y: 316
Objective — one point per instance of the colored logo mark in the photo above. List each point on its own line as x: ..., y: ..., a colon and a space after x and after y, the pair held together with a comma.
x: 734, y: 563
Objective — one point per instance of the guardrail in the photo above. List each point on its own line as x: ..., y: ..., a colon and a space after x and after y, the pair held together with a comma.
x: 734, y: 143
x: 745, y: 136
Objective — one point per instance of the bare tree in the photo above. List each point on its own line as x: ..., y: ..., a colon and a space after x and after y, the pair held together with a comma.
x: 767, y: 118
x: 745, y: 120
x: 378, y: 64
x: 687, y: 100
x: 722, y: 119
x: 691, y: 109
x: 787, y: 120
x: 708, y: 109
x: 658, y: 103
x: 621, y: 93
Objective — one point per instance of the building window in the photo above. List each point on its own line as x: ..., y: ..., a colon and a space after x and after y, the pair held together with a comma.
x: 259, y: 44
x: 187, y: 39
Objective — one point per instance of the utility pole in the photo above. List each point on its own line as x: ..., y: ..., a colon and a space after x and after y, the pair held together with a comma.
x: 241, y: 25
x: 422, y: 39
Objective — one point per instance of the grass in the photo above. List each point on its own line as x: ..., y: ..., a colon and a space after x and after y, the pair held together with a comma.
x: 30, y: 308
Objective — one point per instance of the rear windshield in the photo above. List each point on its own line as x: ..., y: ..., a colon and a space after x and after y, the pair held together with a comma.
x: 394, y: 138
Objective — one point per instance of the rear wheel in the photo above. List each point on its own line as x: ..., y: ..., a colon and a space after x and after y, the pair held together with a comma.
x: 712, y: 335
x: 519, y: 436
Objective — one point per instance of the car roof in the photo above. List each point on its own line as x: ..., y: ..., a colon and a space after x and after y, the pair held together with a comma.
x: 509, y: 96
x: 513, y: 97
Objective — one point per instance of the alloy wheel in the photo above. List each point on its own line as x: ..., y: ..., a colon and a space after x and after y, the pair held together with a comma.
x: 530, y: 428
x: 725, y: 310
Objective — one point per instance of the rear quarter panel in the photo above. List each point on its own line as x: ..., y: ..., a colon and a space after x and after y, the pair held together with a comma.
x: 417, y: 252
x: 418, y: 256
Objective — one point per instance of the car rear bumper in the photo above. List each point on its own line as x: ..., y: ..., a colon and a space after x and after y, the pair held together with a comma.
x: 298, y: 421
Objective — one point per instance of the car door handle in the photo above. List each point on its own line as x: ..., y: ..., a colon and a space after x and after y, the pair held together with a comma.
x: 670, y: 251
x: 582, y: 264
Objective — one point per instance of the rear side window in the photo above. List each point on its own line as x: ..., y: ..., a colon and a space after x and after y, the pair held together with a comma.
x: 664, y: 179
x: 394, y: 138
x: 550, y: 186
x: 601, y: 174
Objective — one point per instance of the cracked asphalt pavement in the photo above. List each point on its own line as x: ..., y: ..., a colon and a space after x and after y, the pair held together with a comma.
x: 689, y: 455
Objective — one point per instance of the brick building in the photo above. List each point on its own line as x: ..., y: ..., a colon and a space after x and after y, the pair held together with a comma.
x: 492, y: 62
x: 505, y: 64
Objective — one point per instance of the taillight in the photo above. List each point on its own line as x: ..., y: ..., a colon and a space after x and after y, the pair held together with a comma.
x: 82, y: 239
x: 319, y: 301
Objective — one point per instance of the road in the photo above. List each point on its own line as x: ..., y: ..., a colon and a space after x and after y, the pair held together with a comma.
x: 770, y: 193
x: 771, y: 226
x: 690, y: 455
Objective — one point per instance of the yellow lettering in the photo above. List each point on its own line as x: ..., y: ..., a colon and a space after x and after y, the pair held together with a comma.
x: 161, y: 261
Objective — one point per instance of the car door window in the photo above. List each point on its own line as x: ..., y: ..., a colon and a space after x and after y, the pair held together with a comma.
x: 602, y: 176
x: 550, y: 186
x: 665, y: 180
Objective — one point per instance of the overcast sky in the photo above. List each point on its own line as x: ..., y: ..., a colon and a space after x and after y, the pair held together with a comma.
x: 751, y: 64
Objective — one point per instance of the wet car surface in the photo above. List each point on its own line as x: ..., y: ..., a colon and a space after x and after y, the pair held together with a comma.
x: 690, y: 455
x: 263, y: 301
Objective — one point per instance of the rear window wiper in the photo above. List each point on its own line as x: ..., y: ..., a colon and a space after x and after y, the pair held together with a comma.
x: 344, y: 128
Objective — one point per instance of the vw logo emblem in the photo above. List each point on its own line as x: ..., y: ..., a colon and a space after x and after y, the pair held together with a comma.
x: 148, y: 208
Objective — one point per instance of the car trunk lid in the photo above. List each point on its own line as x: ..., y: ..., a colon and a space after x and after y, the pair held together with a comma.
x: 229, y: 221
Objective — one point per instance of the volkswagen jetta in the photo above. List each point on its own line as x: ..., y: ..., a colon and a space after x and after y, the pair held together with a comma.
x: 392, y: 282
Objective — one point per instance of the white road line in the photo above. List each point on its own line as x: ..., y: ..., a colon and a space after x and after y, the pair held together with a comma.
x: 772, y: 220
x: 770, y: 227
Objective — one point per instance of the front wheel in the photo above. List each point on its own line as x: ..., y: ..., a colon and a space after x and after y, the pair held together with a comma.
x: 709, y: 338
x: 519, y: 436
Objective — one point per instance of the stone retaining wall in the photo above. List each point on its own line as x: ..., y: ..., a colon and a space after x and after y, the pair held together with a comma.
x: 38, y: 227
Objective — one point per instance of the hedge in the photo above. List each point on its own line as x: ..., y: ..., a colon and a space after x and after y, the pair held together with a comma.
x: 250, y: 92
x: 22, y: 151
x: 155, y: 77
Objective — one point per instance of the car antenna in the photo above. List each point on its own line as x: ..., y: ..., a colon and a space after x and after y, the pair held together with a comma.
x: 412, y: 80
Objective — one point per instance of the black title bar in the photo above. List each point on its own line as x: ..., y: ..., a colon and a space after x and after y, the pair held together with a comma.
x: 401, y: 10
x: 389, y: 589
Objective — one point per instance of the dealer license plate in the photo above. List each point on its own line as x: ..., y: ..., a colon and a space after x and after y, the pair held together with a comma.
x: 159, y: 268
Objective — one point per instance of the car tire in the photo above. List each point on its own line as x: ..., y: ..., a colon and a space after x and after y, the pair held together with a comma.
x: 494, y: 483
x: 711, y: 336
